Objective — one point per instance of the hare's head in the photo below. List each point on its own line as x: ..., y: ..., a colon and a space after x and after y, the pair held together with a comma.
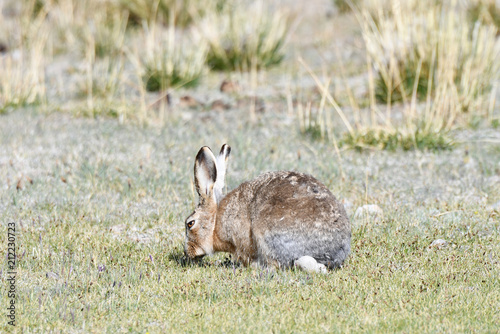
x: 209, y: 174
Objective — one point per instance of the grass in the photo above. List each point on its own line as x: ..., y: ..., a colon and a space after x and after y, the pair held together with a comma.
x: 181, y: 13
x: 22, y: 75
x: 245, y: 37
x: 461, y: 56
x: 344, y: 6
x: 400, y: 87
x: 426, y: 65
x: 108, y: 36
x: 484, y: 11
x: 100, y: 236
x: 22, y: 79
x: 384, y: 140
x: 167, y: 63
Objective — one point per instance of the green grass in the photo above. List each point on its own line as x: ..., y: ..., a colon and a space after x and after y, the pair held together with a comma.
x: 427, y: 51
x: 245, y: 37
x: 390, y: 90
x: 159, y: 78
x: 484, y: 11
x: 382, y: 139
x: 344, y: 6
x: 170, y: 61
x: 100, y: 233
x: 181, y: 13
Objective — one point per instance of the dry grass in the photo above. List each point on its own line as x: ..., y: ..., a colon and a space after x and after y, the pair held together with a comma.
x: 406, y: 51
x: 22, y: 66
x: 438, y: 70
x: 179, y: 12
x: 168, y: 63
x: 484, y: 11
x: 245, y: 36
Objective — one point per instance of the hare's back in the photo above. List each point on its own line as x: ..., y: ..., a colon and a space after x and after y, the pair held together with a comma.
x: 291, y: 198
x: 293, y: 214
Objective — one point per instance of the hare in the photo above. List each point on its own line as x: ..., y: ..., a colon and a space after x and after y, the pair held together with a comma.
x: 280, y: 218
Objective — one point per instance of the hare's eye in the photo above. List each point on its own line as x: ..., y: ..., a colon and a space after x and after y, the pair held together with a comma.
x: 190, y: 223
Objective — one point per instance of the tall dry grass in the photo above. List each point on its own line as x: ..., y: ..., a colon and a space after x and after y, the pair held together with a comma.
x: 245, y: 36
x: 22, y: 64
x: 429, y: 66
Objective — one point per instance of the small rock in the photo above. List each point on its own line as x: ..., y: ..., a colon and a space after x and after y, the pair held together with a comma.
x: 309, y: 264
x: 369, y: 211
x: 228, y: 86
x: 438, y: 243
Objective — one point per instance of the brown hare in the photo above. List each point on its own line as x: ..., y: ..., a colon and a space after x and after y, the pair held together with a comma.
x: 279, y: 218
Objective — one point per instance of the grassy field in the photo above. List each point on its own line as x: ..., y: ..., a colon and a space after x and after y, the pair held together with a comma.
x: 96, y: 176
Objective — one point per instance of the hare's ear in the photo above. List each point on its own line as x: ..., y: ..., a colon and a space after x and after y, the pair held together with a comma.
x: 205, y: 172
x: 221, y: 162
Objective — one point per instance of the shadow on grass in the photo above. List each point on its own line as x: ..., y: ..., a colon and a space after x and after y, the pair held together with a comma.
x: 178, y: 256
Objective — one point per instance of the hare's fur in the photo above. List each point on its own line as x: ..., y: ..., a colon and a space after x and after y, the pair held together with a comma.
x: 274, y: 219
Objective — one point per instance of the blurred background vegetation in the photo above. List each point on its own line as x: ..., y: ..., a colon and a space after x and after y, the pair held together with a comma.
x: 424, y: 68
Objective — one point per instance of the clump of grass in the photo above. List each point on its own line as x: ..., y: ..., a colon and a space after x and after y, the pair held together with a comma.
x: 181, y: 12
x: 167, y: 63
x: 245, y: 36
x: 22, y: 70
x: 345, y: 6
x: 434, y: 47
x: 21, y: 80
x: 102, y: 79
x: 399, y: 86
x: 416, y: 139
x: 69, y: 21
x: 108, y: 33
x: 311, y: 122
x: 495, y: 123
x: 426, y: 56
x: 484, y: 11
